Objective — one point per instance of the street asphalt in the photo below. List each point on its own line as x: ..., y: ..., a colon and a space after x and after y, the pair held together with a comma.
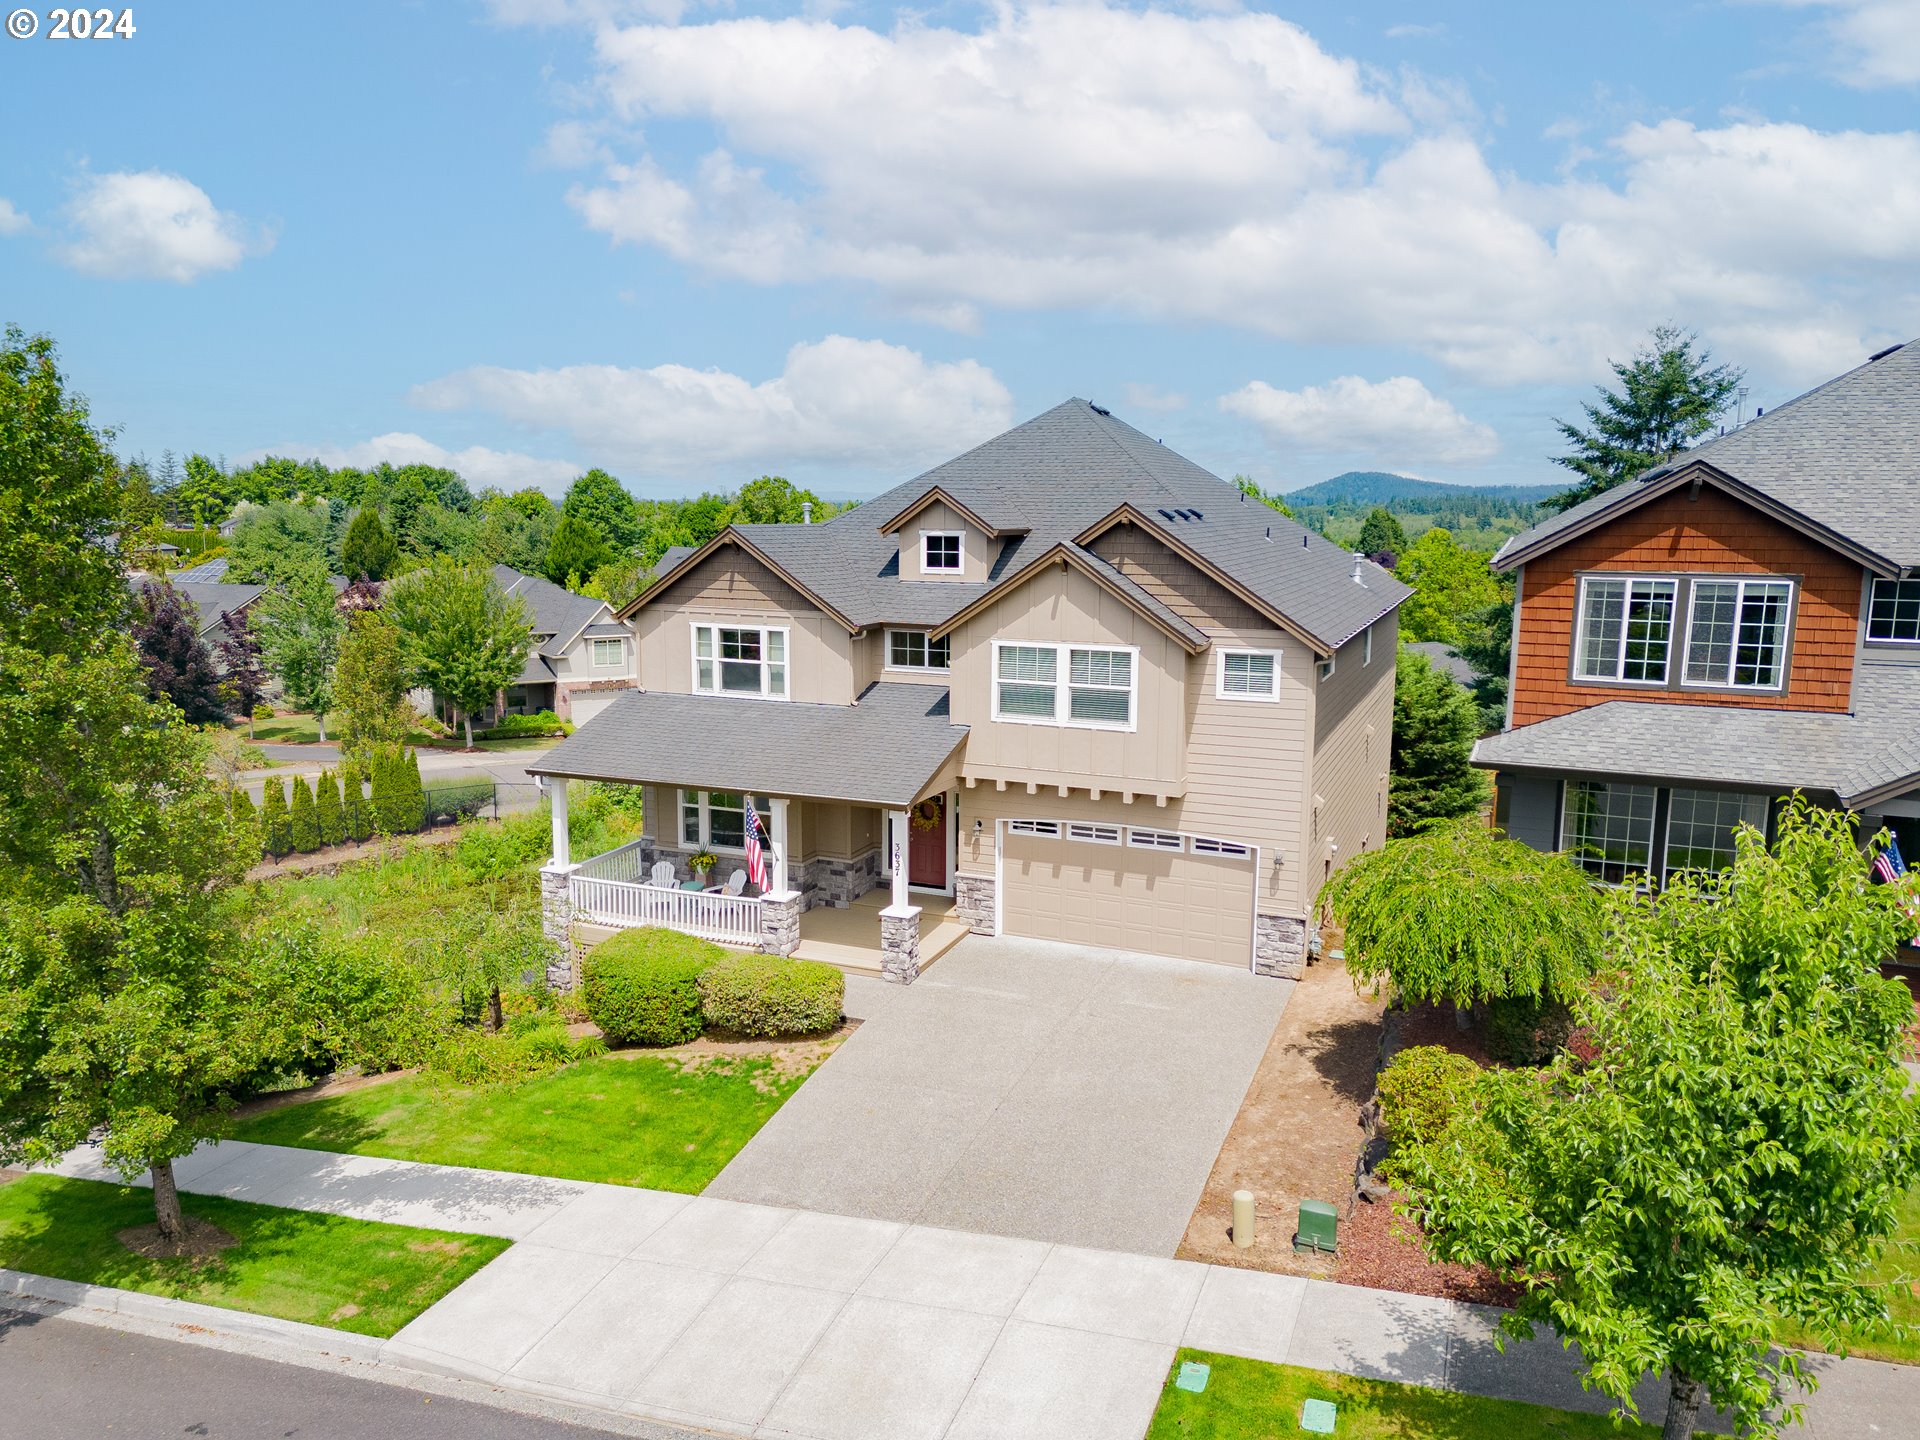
x: 63, y: 1380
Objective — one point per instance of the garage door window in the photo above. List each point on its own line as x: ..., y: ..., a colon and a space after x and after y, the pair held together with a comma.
x: 1095, y: 834
x: 1204, y: 846
x: 1098, y: 692
x: 1034, y: 827
x: 1156, y: 840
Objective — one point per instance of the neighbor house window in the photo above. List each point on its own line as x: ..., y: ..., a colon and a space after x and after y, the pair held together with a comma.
x: 1608, y: 829
x: 1701, y: 823
x: 914, y: 650
x: 1249, y: 675
x: 1626, y: 628
x: 607, y: 654
x: 1098, y: 689
x: 717, y: 819
x: 1737, y: 633
x: 730, y: 660
x: 940, y: 551
x: 1893, y: 615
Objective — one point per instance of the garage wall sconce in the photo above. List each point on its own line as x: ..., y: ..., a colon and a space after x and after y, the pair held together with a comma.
x: 976, y: 827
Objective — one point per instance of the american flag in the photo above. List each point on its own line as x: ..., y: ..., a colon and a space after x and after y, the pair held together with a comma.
x: 756, y: 847
x: 1887, y: 865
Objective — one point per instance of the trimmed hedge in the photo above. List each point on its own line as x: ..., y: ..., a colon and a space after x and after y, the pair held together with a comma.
x: 766, y: 995
x: 514, y: 727
x: 641, y: 986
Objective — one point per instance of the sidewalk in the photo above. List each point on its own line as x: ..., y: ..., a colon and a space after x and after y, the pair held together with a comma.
x: 757, y: 1320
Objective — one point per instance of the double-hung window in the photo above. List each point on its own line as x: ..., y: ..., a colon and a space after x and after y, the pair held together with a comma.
x: 1737, y: 633
x: 736, y: 660
x: 608, y: 654
x: 1088, y: 685
x: 915, y: 650
x: 717, y: 819
x: 940, y: 552
x: 1626, y: 629
x: 1893, y: 613
x: 1608, y: 828
x: 1249, y: 675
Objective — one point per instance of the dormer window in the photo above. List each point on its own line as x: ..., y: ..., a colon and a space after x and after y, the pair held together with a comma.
x: 940, y: 552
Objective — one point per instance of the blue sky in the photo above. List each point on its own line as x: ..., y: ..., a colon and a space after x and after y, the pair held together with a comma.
x: 692, y: 243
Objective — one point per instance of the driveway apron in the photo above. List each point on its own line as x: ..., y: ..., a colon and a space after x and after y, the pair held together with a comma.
x: 1024, y: 1088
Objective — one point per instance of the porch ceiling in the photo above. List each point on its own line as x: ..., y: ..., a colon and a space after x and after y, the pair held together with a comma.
x: 882, y: 750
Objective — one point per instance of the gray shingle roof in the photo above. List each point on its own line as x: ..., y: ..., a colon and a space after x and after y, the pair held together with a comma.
x: 1054, y: 477
x: 1846, y: 455
x: 1443, y: 658
x: 215, y: 602
x: 1859, y: 756
x: 556, y: 611
x: 536, y: 671
x: 881, y: 750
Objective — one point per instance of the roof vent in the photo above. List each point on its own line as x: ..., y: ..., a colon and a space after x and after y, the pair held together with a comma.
x: 1098, y: 409
x: 806, y: 512
x: 1359, y: 561
x: 1166, y: 514
x: 1269, y: 532
x: 1303, y: 539
x: 1193, y: 514
x: 1882, y: 354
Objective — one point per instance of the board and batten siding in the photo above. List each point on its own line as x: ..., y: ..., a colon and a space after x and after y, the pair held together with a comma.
x: 732, y: 587
x: 1352, y: 751
x: 976, y: 548
x: 1688, y: 534
x: 1175, y: 582
x: 1064, y: 606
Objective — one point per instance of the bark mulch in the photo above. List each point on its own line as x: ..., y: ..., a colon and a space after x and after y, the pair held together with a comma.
x: 1384, y: 1250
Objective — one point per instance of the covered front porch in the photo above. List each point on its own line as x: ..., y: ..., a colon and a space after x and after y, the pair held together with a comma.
x: 856, y: 805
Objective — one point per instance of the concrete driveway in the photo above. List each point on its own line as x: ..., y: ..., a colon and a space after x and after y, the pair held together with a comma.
x: 1050, y: 1092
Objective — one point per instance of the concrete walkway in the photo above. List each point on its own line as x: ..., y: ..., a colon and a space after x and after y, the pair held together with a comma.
x: 1048, y: 1092
x: 758, y: 1320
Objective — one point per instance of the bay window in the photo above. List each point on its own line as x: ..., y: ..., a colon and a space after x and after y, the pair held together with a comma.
x: 1098, y: 689
x: 740, y: 660
x: 717, y: 819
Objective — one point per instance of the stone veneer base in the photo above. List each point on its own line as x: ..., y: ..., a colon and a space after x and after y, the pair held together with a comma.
x: 973, y: 897
x: 1279, y: 946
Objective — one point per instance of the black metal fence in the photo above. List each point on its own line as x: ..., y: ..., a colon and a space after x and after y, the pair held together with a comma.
x: 451, y: 801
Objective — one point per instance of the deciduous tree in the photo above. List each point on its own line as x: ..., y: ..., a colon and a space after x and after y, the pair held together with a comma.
x: 464, y: 637
x: 299, y: 626
x: 277, y: 541
x: 370, y: 685
x: 575, y: 552
x: 1734, y: 1155
x: 604, y: 504
x: 1448, y: 582
x: 176, y: 659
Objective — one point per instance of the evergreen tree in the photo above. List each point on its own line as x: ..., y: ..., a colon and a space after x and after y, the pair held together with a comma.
x: 369, y: 551
x: 357, y: 814
x: 413, y: 793
x: 1670, y: 395
x: 246, y: 821
x: 175, y: 658
x: 1380, y: 531
x: 327, y: 810
x: 1485, y: 642
x: 302, y: 823
x: 603, y: 503
x: 276, y: 836
x: 1435, y: 723
x: 386, y: 801
x: 575, y: 552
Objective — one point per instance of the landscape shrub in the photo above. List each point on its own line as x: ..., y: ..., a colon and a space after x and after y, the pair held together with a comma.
x: 1422, y: 1090
x: 348, y: 1005
x: 245, y: 817
x: 327, y: 809
x: 276, y: 836
x: 516, y: 727
x: 301, y: 819
x: 468, y: 1056
x: 492, y: 851
x: 641, y: 987
x: 766, y: 995
x: 1526, y: 1030
x: 263, y: 711
x: 356, y: 812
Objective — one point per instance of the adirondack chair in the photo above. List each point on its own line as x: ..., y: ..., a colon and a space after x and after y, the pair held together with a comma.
x: 662, y: 874
x: 736, y: 884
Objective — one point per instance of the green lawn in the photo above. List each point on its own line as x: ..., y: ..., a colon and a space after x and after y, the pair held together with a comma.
x: 1896, y: 1264
x: 1251, y: 1400
x: 321, y: 1269
x: 293, y: 727
x: 640, y: 1121
x: 519, y: 742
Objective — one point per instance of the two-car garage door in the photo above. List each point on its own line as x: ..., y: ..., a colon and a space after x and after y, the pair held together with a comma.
x: 1106, y: 885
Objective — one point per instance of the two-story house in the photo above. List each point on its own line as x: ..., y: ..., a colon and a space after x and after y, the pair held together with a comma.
x: 582, y: 657
x: 1732, y: 626
x: 1068, y: 685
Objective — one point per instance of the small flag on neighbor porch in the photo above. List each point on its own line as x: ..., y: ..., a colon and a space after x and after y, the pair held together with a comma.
x: 1887, y: 865
x: 756, y: 847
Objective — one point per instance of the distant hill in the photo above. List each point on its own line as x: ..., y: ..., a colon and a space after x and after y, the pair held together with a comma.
x: 1381, y: 487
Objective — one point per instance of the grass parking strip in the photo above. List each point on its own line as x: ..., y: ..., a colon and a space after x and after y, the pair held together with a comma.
x: 357, y: 1275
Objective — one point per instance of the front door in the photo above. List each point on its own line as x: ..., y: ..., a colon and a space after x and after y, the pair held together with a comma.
x: 927, y: 844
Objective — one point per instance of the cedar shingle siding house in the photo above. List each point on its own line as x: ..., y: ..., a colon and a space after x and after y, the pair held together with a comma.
x: 1739, y: 623
x: 1068, y: 685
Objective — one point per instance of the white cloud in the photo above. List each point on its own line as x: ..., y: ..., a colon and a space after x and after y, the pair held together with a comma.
x: 853, y: 403
x: 151, y: 225
x: 1228, y: 169
x: 1397, y: 421
x: 1415, y: 32
x: 478, y: 466
x: 1874, y: 42
x: 12, y: 221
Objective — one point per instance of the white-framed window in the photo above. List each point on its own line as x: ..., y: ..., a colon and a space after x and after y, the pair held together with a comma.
x: 1248, y: 675
x: 1701, y: 824
x: 915, y: 650
x: 609, y: 654
x: 1626, y: 629
x: 1094, y: 834
x: 940, y: 552
x: 1326, y: 667
x: 1083, y: 685
x: 740, y: 660
x: 717, y: 820
x: 1203, y: 846
x: 1608, y: 828
x: 1050, y: 829
x: 1893, y: 612
x: 1366, y: 647
x: 1155, y: 839
x: 1737, y: 633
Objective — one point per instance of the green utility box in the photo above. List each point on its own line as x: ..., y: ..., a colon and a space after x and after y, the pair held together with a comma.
x: 1319, y: 1227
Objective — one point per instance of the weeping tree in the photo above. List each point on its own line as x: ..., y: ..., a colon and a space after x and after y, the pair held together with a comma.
x: 1458, y: 913
x: 1729, y: 1161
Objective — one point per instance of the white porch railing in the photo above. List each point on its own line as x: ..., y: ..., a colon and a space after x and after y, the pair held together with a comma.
x: 619, y: 864
x: 725, y: 919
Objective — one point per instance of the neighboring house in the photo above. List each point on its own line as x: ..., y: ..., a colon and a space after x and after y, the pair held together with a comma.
x: 214, y: 601
x: 581, y: 658
x: 207, y: 572
x: 1069, y: 679
x: 1737, y: 624
x: 1444, y: 658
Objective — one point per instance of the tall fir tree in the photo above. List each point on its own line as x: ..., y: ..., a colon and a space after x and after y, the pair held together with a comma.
x: 1435, y: 723
x: 369, y: 551
x: 1381, y: 532
x: 246, y: 820
x: 353, y: 802
x: 302, y: 822
x: 1671, y: 393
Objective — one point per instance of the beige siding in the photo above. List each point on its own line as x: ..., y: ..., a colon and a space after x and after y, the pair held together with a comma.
x: 1353, y: 729
x: 1182, y: 587
x: 1065, y: 606
x: 731, y: 586
x: 976, y: 549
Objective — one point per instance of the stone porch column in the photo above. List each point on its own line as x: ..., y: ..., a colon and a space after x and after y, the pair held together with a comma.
x: 900, y: 944
x: 556, y: 923
x: 780, y: 922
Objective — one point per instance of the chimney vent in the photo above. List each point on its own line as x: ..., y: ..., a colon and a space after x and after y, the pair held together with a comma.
x: 806, y: 512
x: 1358, y: 561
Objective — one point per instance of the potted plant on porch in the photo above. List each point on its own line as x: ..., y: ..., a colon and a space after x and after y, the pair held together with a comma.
x: 701, y: 862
